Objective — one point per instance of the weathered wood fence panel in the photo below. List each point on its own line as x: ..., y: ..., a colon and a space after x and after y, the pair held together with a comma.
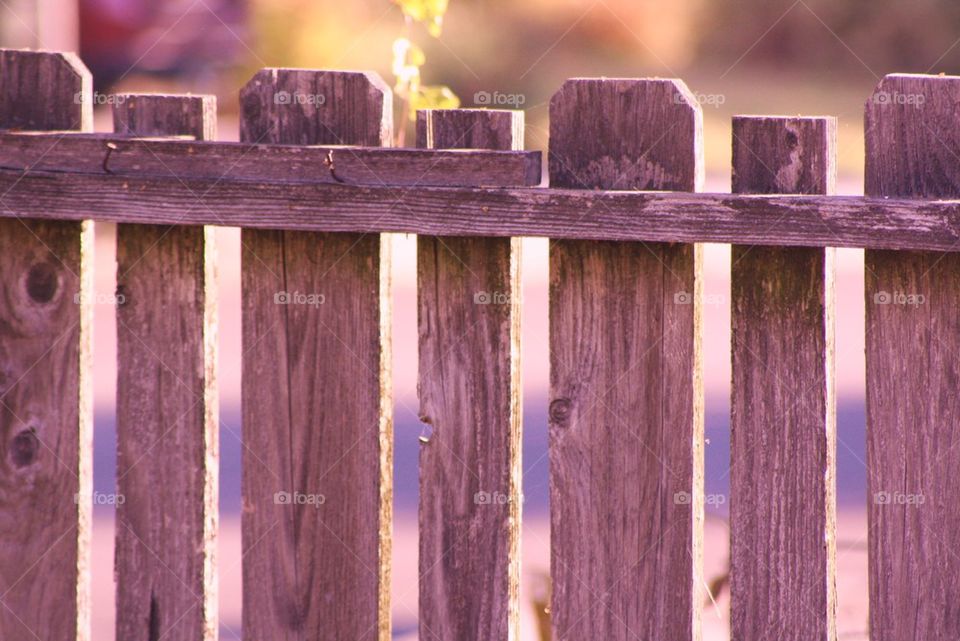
x: 313, y: 190
x: 913, y: 409
x: 783, y: 414
x: 317, y: 407
x: 469, y: 325
x: 626, y: 410
x: 45, y: 402
x: 167, y: 408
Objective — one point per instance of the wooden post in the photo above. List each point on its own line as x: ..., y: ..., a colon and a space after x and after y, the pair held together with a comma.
x: 626, y: 410
x: 913, y: 409
x: 45, y: 400
x: 469, y: 324
x: 317, y: 408
x: 783, y: 412
x: 167, y: 425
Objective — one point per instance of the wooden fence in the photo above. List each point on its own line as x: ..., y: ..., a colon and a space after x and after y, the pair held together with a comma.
x: 313, y: 193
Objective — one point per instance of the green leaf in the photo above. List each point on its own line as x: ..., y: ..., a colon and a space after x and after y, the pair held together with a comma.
x: 428, y: 11
x: 432, y: 97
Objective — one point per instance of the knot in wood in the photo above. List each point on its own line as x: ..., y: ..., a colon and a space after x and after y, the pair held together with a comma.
x: 24, y: 448
x: 560, y: 411
x: 42, y: 282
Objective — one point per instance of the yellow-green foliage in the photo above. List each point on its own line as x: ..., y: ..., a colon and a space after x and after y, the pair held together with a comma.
x: 408, y: 58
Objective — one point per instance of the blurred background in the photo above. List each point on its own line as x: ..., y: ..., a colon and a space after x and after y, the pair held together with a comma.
x: 809, y: 57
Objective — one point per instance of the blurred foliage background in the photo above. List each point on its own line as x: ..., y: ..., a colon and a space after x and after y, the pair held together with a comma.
x: 742, y: 56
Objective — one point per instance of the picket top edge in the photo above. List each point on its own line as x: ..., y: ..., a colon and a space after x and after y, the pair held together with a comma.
x: 78, y: 111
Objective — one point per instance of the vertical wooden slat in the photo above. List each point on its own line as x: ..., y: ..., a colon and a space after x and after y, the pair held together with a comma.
x: 45, y: 400
x: 783, y: 414
x: 317, y: 461
x: 469, y: 322
x: 167, y: 425
x: 913, y: 370
x: 626, y: 411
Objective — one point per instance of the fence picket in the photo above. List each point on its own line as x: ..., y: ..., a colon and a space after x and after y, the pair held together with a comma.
x: 45, y: 401
x: 913, y: 409
x: 626, y: 411
x: 317, y: 408
x: 469, y: 322
x: 167, y: 410
x: 783, y: 414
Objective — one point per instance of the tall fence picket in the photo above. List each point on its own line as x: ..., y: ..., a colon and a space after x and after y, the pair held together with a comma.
x: 912, y: 341
x: 46, y: 408
x: 626, y: 410
x: 167, y: 409
x: 783, y: 413
x: 317, y: 407
x: 469, y: 324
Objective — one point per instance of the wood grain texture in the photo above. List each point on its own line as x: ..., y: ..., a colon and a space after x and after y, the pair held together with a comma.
x: 119, y: 155
x: 783, y: 408
x: 469, y: 326
x: 317, y: 407
x: 626, y: 409
x: 45, y: 400
x: 145, y: 115
x: 167, y: 408
x: 804, y: 221
x: 45, y: 91
x: 913, y: 411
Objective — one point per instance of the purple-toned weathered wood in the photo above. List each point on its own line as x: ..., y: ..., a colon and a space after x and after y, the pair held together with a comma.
x: 167, y: 409
x: 317, y: 408
x: 469, y: 325
x: 37, y: 85
x: 913, y: 409
x: 123, y: 156
x: 626, y: 409
x: 46, y: 437
x: 783, y: 414
x: 804, y: 221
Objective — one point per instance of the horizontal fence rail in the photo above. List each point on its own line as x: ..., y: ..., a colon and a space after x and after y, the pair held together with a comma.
x: 315, y: 190
x: 807, y: 220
